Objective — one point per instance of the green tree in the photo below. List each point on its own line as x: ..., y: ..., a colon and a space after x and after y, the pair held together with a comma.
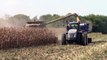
x: 46, y: 18
x: 99, y: 22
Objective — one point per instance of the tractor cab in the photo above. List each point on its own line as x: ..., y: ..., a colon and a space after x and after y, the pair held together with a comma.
x: 84, y: 27
x: 73, y: 26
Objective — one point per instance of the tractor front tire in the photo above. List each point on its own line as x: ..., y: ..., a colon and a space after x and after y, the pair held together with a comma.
x: 84, y: 40
x: 63, y: 39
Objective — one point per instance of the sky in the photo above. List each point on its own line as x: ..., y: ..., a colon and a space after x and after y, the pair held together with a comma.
x: 62, y: 7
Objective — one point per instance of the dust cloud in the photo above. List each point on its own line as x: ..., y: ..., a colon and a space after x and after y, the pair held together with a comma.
x: 11, y: 23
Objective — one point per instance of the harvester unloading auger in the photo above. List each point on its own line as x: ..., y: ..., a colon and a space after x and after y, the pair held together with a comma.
x: 43, y: 24
x: 76, y: 30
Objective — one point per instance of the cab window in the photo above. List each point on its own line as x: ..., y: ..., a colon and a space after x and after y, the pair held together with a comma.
x: 74, y: 26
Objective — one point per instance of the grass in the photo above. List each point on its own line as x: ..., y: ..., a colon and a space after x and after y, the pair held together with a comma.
x: 94, y: 51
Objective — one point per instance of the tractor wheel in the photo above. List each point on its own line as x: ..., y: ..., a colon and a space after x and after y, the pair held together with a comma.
x: 63, y: 39
x: 84, y: 40
x: 89, y: 40
x: 79, y: 38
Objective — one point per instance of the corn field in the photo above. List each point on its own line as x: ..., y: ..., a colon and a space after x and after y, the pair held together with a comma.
x: 24, y: 37
x: 97, y: 50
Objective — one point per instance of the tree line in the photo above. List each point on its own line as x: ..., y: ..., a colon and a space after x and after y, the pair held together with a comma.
x: 99, y: 22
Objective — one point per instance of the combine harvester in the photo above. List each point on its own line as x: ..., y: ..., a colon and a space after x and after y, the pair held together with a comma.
x: 76, y: 31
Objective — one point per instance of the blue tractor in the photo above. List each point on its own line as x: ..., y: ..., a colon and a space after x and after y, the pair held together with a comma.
x: 76, y: 32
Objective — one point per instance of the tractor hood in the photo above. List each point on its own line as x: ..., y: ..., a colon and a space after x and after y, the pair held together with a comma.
x: 72, y: 31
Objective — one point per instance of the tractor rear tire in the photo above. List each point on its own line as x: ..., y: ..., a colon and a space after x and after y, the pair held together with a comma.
x: 63, y: 39
x: 79, y: 38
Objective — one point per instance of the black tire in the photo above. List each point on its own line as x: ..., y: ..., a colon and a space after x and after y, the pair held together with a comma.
x: 84, y: 39
x: 63, y: 39
x: 79, y: 38
x: 89, y: 40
